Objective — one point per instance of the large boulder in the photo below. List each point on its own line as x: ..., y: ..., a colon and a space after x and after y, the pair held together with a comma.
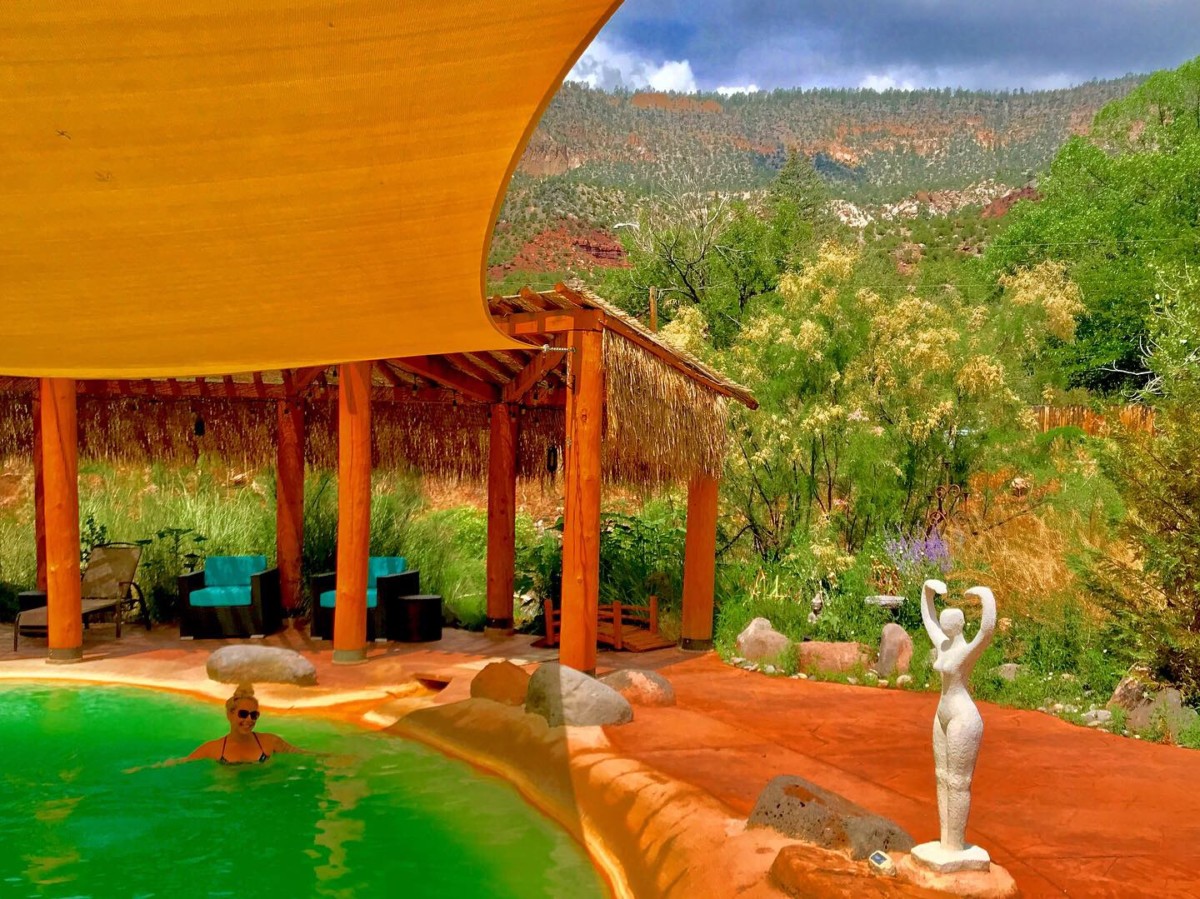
x: 563, y: 695
x: 641, y: 687
x: 817, y: 655
x: 501, y: 682
x: 761, y: 642
x: 804, y: 811
x: 1147, y: 706
x: 249, y: 664
x: 895, y: 651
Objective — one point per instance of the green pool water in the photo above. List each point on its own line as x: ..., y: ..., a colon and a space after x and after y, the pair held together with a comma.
x: 383, y: 817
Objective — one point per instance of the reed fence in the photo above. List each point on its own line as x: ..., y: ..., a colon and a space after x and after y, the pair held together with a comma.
x: 1130, y: 417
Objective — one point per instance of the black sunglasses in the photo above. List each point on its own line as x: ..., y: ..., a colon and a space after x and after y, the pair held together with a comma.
x: 246, y: 713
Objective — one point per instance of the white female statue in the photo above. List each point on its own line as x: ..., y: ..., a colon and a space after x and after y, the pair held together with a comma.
x: 957, y: 728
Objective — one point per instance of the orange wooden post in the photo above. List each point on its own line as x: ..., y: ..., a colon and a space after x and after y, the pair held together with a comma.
x: 699, y: 564
x: 39, y: 490
x: 501, y: 520
x: 581, y: 502
x: 289, y: 499
x: 60, y: 473
x: 354, y: 512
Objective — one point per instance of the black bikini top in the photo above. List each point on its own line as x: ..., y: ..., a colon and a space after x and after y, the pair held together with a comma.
x: 262, y: 755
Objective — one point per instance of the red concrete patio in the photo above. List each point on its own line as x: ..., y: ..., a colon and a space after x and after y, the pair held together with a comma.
x: 1067, y: 810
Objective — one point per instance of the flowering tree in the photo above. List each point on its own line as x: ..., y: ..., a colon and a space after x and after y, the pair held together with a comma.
x: 874, y: 398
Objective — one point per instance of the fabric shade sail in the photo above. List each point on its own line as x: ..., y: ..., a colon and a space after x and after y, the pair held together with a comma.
x: 213, y: 186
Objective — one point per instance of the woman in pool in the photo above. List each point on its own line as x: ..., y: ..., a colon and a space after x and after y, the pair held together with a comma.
x: 242, y: 746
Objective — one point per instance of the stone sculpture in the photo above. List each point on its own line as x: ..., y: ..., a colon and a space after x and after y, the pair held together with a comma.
x: 957, y: 729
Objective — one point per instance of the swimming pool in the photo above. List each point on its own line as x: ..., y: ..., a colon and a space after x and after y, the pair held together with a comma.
x: 382, y: 817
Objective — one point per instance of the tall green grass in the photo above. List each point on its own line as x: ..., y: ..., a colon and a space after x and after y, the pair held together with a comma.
x: 182, y: 516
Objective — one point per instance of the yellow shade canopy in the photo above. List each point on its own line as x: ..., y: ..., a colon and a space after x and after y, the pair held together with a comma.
x: 209, y: 186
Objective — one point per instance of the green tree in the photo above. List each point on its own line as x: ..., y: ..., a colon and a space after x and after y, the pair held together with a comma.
x: 1119, y: 209
x: 873, y: 397
x: 720, y: 254
x: 1157, y: 593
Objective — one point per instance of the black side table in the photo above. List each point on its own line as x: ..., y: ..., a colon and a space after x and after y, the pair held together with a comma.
x: 414, y: 619
x: 30, y: 599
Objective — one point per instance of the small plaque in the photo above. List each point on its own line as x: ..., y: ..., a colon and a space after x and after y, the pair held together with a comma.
x: 881, y: 863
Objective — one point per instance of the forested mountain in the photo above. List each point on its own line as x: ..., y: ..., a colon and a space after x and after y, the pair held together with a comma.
x: 596, y: 154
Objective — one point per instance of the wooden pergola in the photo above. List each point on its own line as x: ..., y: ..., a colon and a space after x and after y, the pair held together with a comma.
x: 621, y: 403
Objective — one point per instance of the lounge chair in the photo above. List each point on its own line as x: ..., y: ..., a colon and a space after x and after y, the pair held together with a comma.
x: 107, y: 588
x: 231, y: 596
x: 387, y: 576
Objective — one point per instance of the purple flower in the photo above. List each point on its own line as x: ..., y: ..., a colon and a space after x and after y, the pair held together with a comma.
x: 910, y: 555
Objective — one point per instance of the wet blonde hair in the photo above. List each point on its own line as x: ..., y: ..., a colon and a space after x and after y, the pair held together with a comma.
x: 243, y: 691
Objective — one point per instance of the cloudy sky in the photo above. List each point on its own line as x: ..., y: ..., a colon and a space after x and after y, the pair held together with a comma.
x: 726, y: 45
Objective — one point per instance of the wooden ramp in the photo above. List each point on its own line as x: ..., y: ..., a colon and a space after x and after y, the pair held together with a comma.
x: 621, y: 626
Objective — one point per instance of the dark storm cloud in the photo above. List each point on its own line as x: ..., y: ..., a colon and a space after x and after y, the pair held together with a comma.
x: 972, y: 43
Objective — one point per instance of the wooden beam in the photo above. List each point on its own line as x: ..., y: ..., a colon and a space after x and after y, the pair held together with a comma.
x: 514, y: 361
x: 354, y: 512
x: 470, y: 366
x: 526, y: 324
x: 501, y: 519
x: 581, y: 503
x: 174, y: 389
x: 302, y: 378
x: 39, y: 490
x: 60, y: 454
x: 440, y: 372
x: 389, y: 375
x: 289, y: 498
x: 699, y: 564
x: 541, y: 365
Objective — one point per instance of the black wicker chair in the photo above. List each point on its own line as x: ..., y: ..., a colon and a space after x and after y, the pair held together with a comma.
x: 232, y: 596
x: 384, y: 587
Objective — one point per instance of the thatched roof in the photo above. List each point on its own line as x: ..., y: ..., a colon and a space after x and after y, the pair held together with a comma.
x: 665, y: 412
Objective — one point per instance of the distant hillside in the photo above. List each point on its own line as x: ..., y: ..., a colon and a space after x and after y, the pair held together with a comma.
x: 595, y: 154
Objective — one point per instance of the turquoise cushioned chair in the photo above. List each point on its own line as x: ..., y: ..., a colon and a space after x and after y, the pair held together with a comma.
x: 231, y: 596
x: 392, y: 571
x: 377, y: 566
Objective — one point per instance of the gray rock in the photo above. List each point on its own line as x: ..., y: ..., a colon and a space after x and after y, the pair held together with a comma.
x: 1009, y: 671
x: 760, y: 641
x: 1097, y: 716
x: 249, y: 664
x: 885, y: 602
x: 641, y: 687
x: 895, y: 650
x: 1147, y: 706
x: 904, y: 680
x: 804, y: 811
x: 563, y: 695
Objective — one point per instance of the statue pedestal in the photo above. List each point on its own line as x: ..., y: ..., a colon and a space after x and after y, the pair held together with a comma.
x: 937, y: 858
x: 994, y: 883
